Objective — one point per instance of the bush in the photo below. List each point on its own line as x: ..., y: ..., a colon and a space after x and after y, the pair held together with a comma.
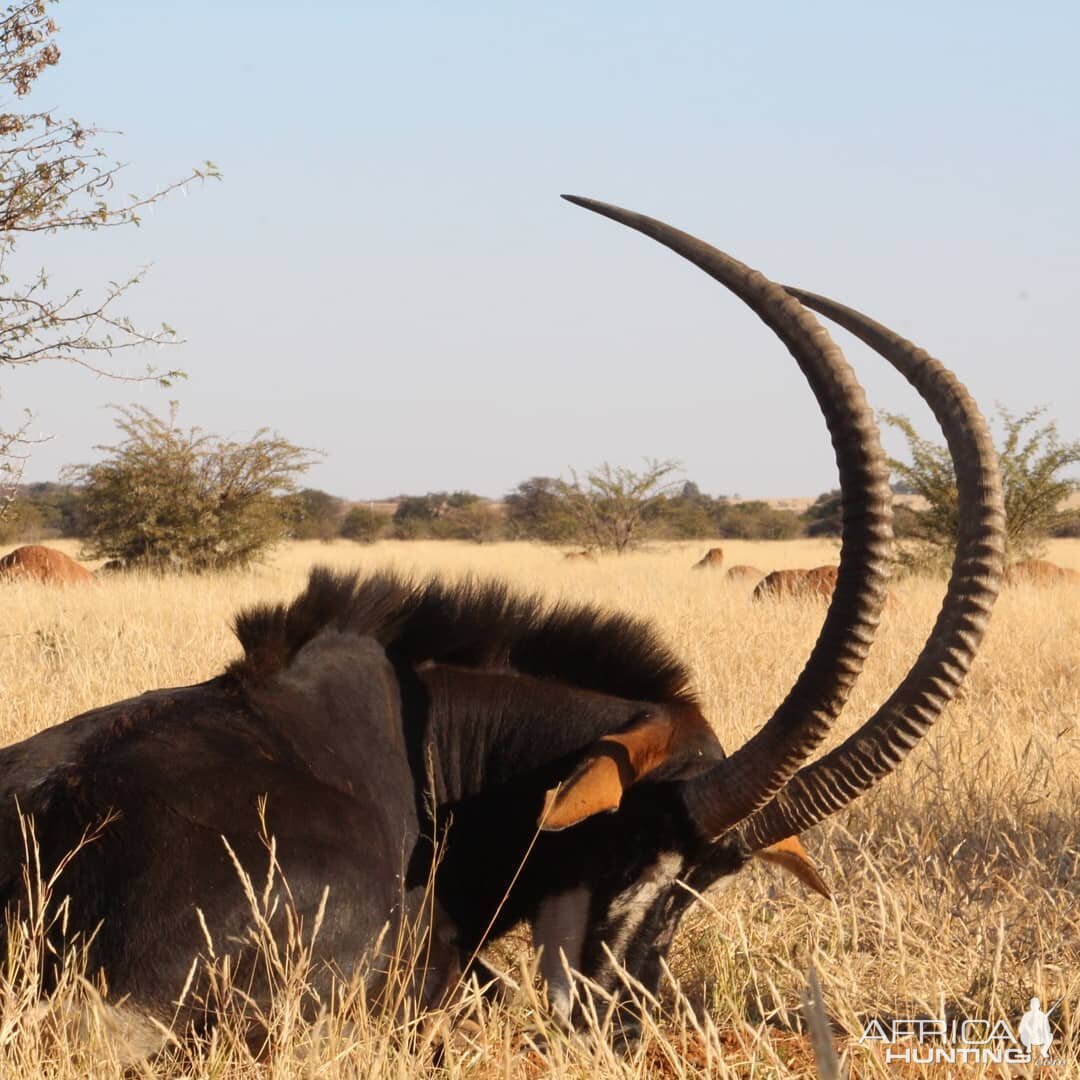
x: 1030, y: 461
x: 535, y: 510
x: 363, y: 525
x: 755, y: 520
x: 1068, y: 529
x: 824, y: 517
x: 313, y: 514
x: 479, y: 522
x: 23, y: 522
x: 169, y: 499
x: 438, y: 515
x: 679, y: 518
x: 42, y: 511
x: 905, y: 521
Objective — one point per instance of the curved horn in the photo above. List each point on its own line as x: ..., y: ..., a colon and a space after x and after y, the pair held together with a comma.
x: 885, y: 739
x: 757, y: 771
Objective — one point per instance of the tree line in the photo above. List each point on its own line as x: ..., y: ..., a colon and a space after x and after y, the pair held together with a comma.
x: 167, y: 497
x: 534, y: 510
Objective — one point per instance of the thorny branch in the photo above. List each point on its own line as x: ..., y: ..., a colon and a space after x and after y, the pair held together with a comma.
x: 55, y: 176
x: 14, y: 453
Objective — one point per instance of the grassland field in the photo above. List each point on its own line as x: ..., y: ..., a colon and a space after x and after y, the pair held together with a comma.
x: 956, y: 882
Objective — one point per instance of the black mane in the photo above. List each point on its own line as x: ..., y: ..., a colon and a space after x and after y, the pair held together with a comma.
x: 473, y: 624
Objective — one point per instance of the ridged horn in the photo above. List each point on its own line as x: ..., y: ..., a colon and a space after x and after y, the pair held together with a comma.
x: 757, y: 771
x: 888, y: 736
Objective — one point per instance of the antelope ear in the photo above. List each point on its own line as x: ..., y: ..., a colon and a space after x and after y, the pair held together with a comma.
x: 614, y: 763
x: 792, y: 856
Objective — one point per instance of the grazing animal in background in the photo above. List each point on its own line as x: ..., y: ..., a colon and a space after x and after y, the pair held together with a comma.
x: 797, y: 584
x: 580, y: 556
x: 743, y: 575
x: 713, y: 559
x: 1039, y: 572
x: 47, y: 565
x: 558, y: 758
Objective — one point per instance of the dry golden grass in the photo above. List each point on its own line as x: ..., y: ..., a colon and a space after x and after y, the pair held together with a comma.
x: 956, y: 882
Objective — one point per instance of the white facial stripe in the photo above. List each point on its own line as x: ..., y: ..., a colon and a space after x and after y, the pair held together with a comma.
x: 629, y: 909
x: 559, y: 930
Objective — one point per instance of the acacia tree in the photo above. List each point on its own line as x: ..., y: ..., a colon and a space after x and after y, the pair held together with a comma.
x: 55, y: 176
x: 609, y: 505
x: 168, y: 498
x: 536, y: 510
x: 1032, y: 457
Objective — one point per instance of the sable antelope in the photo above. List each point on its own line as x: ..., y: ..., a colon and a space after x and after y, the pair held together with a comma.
x: 579, y: 556
x: 380, y: 716
x: 744, y: 574
x: 713, y: 559
x: 781, y: 584
x: 36, y: 563
x: 1039, y: 572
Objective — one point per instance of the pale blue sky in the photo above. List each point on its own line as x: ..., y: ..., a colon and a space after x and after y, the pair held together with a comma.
x: 387, y: 272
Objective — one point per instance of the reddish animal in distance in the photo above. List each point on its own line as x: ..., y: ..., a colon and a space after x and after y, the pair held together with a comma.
x: 818, y: 583
x: 744, y: 575
x: 800, y: 584
x: 713, y: 559
x: 580, y: 556
x: 1040, y: 572
x: 43, y: 564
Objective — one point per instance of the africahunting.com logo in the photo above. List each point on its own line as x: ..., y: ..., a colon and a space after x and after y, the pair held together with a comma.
x: 967, y: 1042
